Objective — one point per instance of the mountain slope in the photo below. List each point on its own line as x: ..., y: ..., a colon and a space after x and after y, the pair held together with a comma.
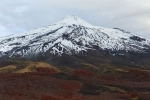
x: 71, y: 35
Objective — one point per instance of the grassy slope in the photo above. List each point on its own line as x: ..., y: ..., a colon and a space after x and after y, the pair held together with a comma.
x: 91, y: 79
x: 12, y: 66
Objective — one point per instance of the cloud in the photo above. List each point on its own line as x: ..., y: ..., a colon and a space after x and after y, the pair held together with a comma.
x: 21, y: 9
x: 23, y: 15
x: 4, y: 31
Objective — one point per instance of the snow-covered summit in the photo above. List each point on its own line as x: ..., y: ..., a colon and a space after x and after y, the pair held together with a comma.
x: 70, y: 20
x: 71, y: 35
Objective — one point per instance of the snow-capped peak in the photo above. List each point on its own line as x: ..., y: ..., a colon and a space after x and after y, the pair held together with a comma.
x: 71, y: 35
x: 70, y: 20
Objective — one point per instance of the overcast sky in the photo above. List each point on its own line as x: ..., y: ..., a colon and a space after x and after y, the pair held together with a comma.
x: 17, y: 16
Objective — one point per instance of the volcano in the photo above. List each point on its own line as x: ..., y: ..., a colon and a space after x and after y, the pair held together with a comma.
x: 71, y: 36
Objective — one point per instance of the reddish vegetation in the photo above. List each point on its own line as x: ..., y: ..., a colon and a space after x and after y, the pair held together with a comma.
x: 46, y: 70
x: 35, y: 86
x: 138, y: 75
x: 49, y: 98
x: 110, y: 78
x: 46, y: 84
x: 133, y: 94
x: 71, y: 87
x: 83, y: 73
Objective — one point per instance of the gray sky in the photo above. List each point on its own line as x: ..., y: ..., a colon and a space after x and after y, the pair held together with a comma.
x: 17, y: 16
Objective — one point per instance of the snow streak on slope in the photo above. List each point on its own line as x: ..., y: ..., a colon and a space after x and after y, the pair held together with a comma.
x: 71, y: 35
